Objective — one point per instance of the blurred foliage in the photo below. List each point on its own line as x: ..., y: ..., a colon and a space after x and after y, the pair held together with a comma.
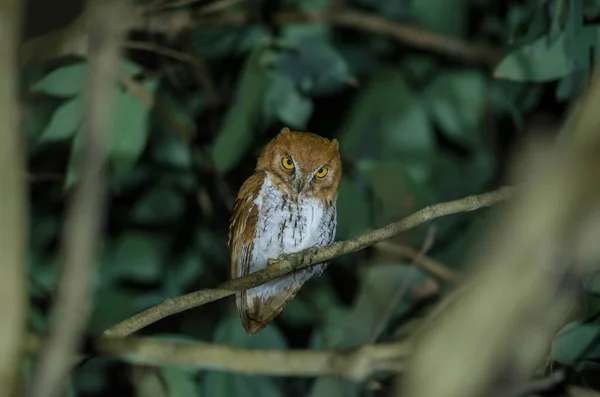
x: 415, y: 128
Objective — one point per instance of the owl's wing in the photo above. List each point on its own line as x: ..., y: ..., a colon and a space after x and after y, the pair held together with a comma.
x: 242, y: 231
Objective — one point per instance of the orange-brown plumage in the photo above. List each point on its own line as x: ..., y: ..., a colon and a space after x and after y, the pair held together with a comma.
x: 287, y: 205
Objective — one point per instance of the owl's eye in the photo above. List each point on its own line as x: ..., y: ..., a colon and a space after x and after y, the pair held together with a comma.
x: 321, y: 172
x: 287, y: 163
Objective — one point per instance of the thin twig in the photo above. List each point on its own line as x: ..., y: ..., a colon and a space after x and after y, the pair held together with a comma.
x: 287, y: 263
x: 82, y: 226
x: 149, y: 101
x: 393, y: 303
x: 71, y: 39
x: 206, y: 81
x: 355, y: 365
x: 430, y: 265
x: 14, y: 206
x: 210, y: 8
x: 410, y: 35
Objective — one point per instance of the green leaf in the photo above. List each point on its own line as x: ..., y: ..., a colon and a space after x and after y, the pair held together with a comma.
x: 283, y: 101
x: 149, y: 384
x: 315, y: 66
x: 182, y: 275
x: 126, y: 141
x: 65, y: 81
x: 574, y: 38
x: 138, y: 256
x: 72, y: 80
x: 231, y: 332
x: 546, y: 60
x: 397, y: 125
x: 37, y: 115
x: 130, y: 67
x: 130, y: 129
x: 558, y: 16
x: 180, y: 383
x: 503, y: 98
x: 419, y: 66
x: 299, y: 312
x: 171, y: 150
x: 396, y: 193
x: 64, y: 122
x: 236, y: 133
x: 159, y: 205
x: 539, y: 61
x: 457, y: 101
x: 577, y: 341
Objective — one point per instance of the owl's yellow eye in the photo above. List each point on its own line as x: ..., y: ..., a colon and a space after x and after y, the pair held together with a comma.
x: 287, y: 163
x: 321, y: 172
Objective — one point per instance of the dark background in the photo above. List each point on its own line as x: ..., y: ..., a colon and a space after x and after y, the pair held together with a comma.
x: 416, y: 126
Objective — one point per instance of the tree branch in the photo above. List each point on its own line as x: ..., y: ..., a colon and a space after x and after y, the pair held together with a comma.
x: 208, y: 86
x: 430, y: 265
x: 13, y: 203
x: 71, y: 40
x: 288, y: 263
x: 354, y: 365
x: 82, y: 226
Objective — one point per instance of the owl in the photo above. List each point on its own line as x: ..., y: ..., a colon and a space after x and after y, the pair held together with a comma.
x: 287, y: 205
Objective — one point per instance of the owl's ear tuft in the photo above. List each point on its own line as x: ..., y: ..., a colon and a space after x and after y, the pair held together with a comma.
x: 285, y: 131
x: 335, y: 145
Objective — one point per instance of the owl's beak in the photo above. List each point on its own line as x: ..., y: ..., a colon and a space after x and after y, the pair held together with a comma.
x: 298, y: 184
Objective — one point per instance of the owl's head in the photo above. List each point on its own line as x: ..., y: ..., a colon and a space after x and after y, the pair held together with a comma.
x: 307, y: 163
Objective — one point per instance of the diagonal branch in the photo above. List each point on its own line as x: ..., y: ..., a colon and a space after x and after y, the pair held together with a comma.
x: 288, y: 263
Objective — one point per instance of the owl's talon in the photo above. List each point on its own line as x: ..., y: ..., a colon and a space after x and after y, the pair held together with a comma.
x: 312, y: 252
x: 271, y: 262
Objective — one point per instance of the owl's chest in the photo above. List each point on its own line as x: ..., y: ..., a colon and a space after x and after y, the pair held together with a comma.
x: 289, y: 225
